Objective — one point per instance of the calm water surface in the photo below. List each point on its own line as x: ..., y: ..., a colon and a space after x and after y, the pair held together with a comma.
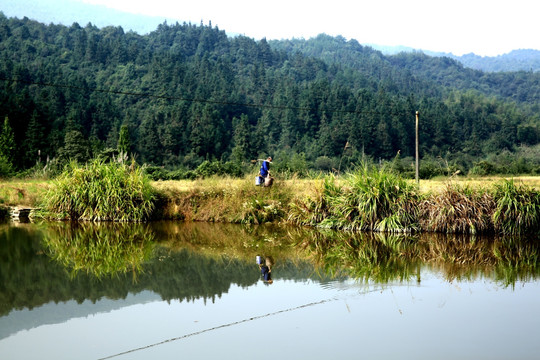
x: 194, y: 291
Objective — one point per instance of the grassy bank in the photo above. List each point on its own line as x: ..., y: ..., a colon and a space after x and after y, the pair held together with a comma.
x: 31, y: 192
x: 229, y: 200
x: 369, y: 199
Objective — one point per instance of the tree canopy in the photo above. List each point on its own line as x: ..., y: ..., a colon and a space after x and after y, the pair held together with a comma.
x: 188, y: 93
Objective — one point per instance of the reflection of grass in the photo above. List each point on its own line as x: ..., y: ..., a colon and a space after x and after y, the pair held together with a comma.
x: 386, y: 257
x: 104, y: 249
x: 231, y: 240
x: 366, y: 256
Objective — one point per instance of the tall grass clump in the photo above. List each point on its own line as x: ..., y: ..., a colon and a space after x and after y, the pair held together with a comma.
x: 311, y: 211
x: 517, y: 208
x: 101, y: 191
x: 457, y: 209
x: 370, y: 198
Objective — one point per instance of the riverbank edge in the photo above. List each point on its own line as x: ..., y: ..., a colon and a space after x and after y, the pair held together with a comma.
x: 230, y: 200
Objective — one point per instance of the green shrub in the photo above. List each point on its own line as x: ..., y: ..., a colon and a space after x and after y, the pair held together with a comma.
x: 518, y: 208
x: 371, y: 199
x: 5, y: 167
x: 101, y: 191
x: 211, y: 168
x: 484, y: 168
x: 156, y: 173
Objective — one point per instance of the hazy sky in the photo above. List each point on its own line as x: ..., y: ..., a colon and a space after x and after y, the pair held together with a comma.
x: 485, y: 27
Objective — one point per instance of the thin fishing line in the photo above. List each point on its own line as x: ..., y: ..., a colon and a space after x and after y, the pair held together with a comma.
x: 217, y: 327
x: 179, y: 98
x: 228, y: 325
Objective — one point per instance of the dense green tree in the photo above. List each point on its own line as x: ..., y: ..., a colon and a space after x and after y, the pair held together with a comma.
x: 242, y: 149
x: 124, y: 142
x: 76, y: 147
x: 149, y: 142
x: 35, y: 142
x: 190, y: 93
x: 8, y: 146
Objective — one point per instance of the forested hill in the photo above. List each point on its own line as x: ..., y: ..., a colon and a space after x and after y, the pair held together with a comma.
x: 520, y: 86
x: 186, y: 93
x: 515, y: 60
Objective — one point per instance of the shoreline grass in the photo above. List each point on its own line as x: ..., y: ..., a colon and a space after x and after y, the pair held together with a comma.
x: 30, y: 192
x: 460, y: 205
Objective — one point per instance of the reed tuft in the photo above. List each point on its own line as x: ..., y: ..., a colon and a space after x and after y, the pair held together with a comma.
x: 102, y: 250
x: 100, y: 191
x: 518, y: 208
x: 370, y: 199
x: 457, y: 209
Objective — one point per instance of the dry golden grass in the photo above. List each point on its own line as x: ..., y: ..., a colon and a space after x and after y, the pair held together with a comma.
x: 226, y: 199
x: 439, y: 184
x: 299, y: 187
x: 302, y: 188
x: 23, y: 192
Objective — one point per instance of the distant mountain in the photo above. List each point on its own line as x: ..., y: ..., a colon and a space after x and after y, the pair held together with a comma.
x: 516, y: 60
x: 426, y: 70
x: 392, y: 50
x: 190, y: 93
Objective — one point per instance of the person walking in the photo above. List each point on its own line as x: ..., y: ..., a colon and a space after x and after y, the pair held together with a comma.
x: 265, y: 167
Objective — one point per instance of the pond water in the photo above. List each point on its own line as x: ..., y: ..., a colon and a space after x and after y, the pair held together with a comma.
x: 175, y: 290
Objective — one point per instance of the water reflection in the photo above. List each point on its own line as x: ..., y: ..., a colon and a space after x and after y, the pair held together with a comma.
x: 100, y: 249
x: 389, y: 257
x: 208, y: 277
x: 58, y: 262
x: 54, y: 262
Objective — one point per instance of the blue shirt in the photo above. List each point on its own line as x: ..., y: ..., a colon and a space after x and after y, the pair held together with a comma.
x: 265, y: 167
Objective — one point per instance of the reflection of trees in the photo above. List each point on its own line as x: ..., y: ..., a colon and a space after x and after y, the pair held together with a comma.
x: 22, y: 265
x: 187, y: 261
x: 242, y: 243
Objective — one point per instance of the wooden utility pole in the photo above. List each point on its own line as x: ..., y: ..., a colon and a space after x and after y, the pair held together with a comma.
x: 417, y: 152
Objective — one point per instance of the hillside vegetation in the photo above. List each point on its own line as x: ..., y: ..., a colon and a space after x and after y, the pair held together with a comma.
x: 185, y: 94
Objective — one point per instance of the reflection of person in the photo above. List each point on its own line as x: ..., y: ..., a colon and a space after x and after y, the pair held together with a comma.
x: 266, y: 269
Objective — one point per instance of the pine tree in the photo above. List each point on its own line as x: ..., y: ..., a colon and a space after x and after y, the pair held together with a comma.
x: 34, y: 142
x: 241, y: 139
x: 76, y: 147
x: 124, y: 142
x: 7, y: 143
